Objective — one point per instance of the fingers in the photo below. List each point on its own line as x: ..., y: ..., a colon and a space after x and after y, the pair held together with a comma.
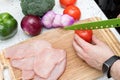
x: 78, y: 49
x: 96, y: 41
x: 82, y: 42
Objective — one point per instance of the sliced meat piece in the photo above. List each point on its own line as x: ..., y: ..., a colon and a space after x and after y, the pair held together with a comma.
x: 37, y: 59
x: 47, y: 61
x: 23, y: 64
x: 38, y: 78
x: 26, y: 49
x: 58, y: 70
x: 18, y: 49
x: 27, y: 75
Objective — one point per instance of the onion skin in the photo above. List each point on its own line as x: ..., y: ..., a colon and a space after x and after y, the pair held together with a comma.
x: 31, y: 25
x: 53, y: 20
x: 67, y: 20
x: 48, y: 18
x: 57, y: 21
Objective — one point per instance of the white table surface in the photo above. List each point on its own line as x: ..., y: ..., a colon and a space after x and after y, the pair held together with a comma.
x: 88, y: 9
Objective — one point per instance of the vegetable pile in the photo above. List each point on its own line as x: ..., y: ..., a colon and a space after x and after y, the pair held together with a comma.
x: 39, y: 14
x: 8, y: 26
x: 49, y: 19
x: 70, y: 15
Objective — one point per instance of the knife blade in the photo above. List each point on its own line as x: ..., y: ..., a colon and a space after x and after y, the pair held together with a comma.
x: 110, y: 23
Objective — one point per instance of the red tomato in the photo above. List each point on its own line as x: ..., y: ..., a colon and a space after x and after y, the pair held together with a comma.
x: 65, y: 3
x: 73, y: 11
x: 85, y: 34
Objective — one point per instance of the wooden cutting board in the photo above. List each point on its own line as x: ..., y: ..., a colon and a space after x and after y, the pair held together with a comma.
x: 76, y: 68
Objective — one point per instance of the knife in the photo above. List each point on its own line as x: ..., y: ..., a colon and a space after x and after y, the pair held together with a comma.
x: 110, y: 23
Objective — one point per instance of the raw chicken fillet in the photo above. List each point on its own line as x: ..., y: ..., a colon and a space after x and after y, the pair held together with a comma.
x: 37, y: 60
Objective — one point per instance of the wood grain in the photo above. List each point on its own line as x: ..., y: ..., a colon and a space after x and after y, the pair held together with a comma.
x: 76, y: 68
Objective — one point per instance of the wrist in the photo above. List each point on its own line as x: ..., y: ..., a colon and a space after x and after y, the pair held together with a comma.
x: 115, y: 70
x: 106, y: 68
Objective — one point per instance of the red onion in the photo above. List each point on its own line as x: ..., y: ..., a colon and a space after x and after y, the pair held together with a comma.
x: 53, y: 20
x: 67, y: 20
x: 48, y: 18
x: 57, y: 21
x: 31, y: 25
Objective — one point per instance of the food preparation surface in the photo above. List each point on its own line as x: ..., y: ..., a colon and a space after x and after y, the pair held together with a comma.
x: 76, y: 68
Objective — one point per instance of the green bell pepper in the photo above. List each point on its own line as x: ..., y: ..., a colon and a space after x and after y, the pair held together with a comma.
x: 8, y: 26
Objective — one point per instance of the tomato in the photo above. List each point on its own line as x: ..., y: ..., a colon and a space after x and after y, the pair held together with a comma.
x: 65, y: 3
x: 85, y: 34
x: 73, y: 11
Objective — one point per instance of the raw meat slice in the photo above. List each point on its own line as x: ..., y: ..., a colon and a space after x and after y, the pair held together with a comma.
x: 27, y: 75
x: 56, y: 73
x: 37, y: 60
x: 23, y: 64
x: 26, y: 49
x: 58, y: 70
x: 18, y: 49
x: 47, y: 61
x: 38, y: 78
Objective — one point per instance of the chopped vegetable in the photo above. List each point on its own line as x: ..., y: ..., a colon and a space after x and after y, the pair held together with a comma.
x: 73, y: 11
x: 31, y: 25
x: 65, y: 3
x: 85, y: 34
x: 36, y: 7
x: 48, y: 18
x: 67, y: 20
x: 8, y: 26
x: 57, y: 21
x: 53, y: 20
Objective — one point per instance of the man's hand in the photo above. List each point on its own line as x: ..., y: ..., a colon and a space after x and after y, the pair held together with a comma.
x: 94, y: 54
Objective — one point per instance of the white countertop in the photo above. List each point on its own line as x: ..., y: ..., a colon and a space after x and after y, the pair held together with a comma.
x: 88, y: 9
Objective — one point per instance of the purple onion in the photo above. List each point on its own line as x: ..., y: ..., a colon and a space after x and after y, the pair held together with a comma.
x: 31, y: 25
x: 57, y: 21
x: 48, y: 18
x: 67, y: 20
